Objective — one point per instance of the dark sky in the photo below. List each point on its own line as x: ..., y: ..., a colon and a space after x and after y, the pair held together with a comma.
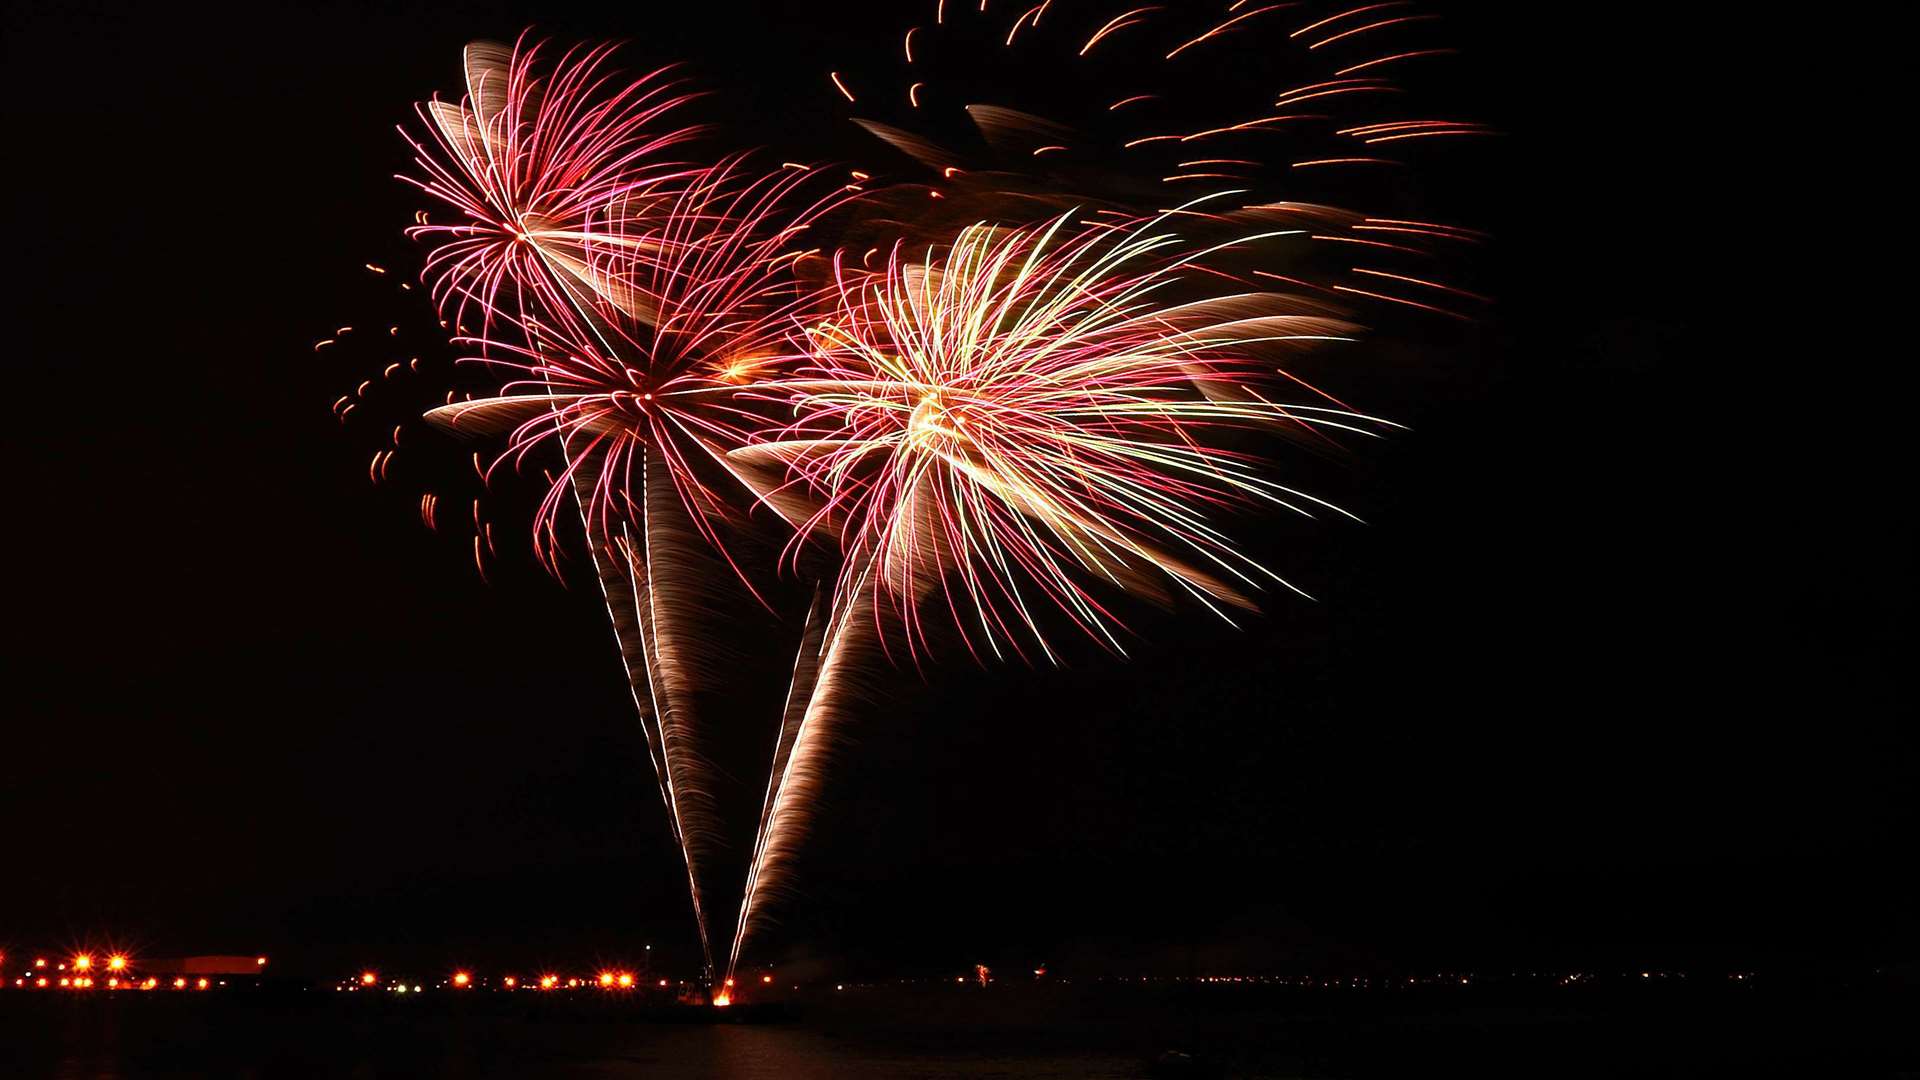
x: 1610, y: 676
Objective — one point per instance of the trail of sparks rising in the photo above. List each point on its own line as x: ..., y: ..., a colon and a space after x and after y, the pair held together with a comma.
x: 825, y: 688
x: 623, y: 568
x: 799, y: 706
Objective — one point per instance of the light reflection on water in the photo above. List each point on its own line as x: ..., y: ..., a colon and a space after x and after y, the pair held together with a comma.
x: 1037, y: 1033
x: 797, y: 1053
x: 137, y: 1039
x: 657, y: 1053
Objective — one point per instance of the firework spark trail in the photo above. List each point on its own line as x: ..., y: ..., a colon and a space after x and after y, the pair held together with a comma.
x: 626, y: 591
x: 661, y: 602
x: 850, y: 643
x: 800, y: 694
x: 1030, y: 406
x: 651, y: 649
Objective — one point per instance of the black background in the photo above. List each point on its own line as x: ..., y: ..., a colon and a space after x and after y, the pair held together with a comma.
x: 1611, y: 676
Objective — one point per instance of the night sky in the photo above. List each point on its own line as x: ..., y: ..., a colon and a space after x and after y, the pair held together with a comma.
x: 1609, y: 677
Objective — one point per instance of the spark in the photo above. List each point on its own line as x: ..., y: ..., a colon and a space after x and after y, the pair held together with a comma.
x: 1428, y: 284
x: 1455, y: 232
x: 1368, y: 243
x: 1295, y: 97
x: 1372, y: 26
x: 1216, y: 31
x: 1401, y: 300
x: 1117, y: 23
x: 1432, y: 133
x: 1033, y: 14
x: 1347, y: 14
x: 1394, y: 57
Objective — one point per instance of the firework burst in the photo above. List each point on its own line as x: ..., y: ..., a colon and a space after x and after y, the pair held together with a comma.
x: 611, y: 389
x: 1035, y: 408
x: 546, y: 169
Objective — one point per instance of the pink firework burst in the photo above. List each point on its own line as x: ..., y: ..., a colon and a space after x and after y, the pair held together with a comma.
x: 546, y: 169
x: 633, y: 402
